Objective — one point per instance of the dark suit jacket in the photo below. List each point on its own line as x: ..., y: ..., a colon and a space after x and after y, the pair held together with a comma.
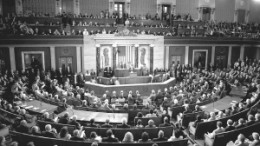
x: 49, y: 134
x: 106, y: 126
x: 229, y: 128
x: 123, y: 126
x: 109, y: 139
x: 77, y: 138
x: 160, y: 139
x: 22, y: 129
x: 165, y: 125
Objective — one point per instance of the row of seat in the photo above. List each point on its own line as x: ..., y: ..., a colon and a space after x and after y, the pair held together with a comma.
x: 118, y: 132
x: 204, y: 127
x: 44, y: 141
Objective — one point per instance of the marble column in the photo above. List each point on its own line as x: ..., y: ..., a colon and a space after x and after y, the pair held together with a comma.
x: 1, y: 7
x: 12, y: 58
x: 114, y: 55
x: 136, y: 55
x: 78, y: 52
x: 167, y: 49
x: 235, y: 16
x: 98, y: 58
x: 242, y: 52
x: 53, y: 59
x: 58, y: 7
x: 229, y: 56
x: 76, y: 7
x: 19, y: 7
x: 186, y: 59
x: 212, y: 61
x: 151, y: 58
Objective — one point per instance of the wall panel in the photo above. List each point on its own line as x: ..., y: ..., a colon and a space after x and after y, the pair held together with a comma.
x: 142, y: 7
x: 4, y: 59
x: 235, y: 54
x: 192, y: 48
x: 18, y: 56
x: 66, y: 52
x: 254, y: 11
x: 39, y: 6
x: 93, y: 6
x: 187, y: 6
x: 176, y: 51
x: 67, y: 6
x: 225, y: 10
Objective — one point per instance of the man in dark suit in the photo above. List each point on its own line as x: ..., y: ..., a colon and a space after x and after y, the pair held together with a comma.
x: 106, y: 125
x: 60, y: 75
x: 165, y: 123
x: 123, y: 125
x: 160, y: 137
x: 250, y: 121
x: 23, y: 128
x: 92, y: 123
x: 240, y: 123
x: 48, y: 132
x: 76, y: 136
x: 229, y: 125
x: 110, y: 137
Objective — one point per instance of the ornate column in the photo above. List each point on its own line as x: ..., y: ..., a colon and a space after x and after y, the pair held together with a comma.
x: 186, y: 59
x: 12, y: 58
x: 78, y: 51
x: 213, y: 50
x: 229, y: 56
x: 136, y: 55
x: 151, y: 57
x: 235, y: 15
x: 1, y: 7
x: 199, y: 13
x: 98, y: 58
x: 242, y: 52
x: 19, y: 7
x: 58, y: 8
x: 53, y: 59
x: 247, y: 16
x: 212, y: 17
x: 76, y: 7
x: 114, y: 55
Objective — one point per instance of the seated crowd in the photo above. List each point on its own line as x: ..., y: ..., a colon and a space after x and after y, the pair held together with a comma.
x: 79, y: 26
x: 194, y: 88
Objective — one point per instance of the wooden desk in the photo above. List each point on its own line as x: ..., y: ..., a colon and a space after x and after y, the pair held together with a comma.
x: 144, y: 88
x: 98, y: 116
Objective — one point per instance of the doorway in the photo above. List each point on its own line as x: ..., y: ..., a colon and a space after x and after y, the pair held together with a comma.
x: 65, y: 62
x: 119, y: 9
x: 206, y: 14
x: 166, y: 11
x: 241, y: 14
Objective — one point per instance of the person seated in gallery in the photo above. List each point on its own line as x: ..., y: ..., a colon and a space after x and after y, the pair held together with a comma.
x: 107, y: 124
x: 130, y: 99
x: 92, y: 123
x: 219, y: 129
x: 121, y: 97
x: 117, y: 82
x: 113, y: 98
x: 139, y: 100
x: 123, y: 125
x: 110, y: 137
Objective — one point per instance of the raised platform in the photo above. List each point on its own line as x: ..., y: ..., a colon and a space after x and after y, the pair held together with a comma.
x: 99, y: 117
x: 127, y: 80
x: 144, y: 89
